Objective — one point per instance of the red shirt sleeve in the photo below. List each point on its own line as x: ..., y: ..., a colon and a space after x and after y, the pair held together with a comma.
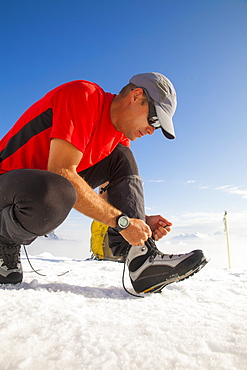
x: 76, y: 108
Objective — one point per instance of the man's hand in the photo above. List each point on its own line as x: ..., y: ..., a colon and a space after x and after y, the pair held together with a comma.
x: 159, y: 226
x: 137, y: 232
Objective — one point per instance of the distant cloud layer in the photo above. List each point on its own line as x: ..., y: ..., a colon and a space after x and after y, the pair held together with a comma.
x: 156, y: 180
x: 211, y: 222
x: 231, y: 189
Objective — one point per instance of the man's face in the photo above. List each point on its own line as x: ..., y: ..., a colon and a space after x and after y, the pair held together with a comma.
x: 133, y: 122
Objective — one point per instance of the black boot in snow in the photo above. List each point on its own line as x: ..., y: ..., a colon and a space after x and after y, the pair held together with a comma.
x: 10, y: 264
x: 151, y: 270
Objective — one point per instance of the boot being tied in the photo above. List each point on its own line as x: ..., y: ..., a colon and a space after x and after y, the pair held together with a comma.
x: 10, y: 264
x: 151, y: 270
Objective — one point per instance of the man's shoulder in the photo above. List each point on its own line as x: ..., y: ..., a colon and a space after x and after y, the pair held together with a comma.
x: 80, y: 85
x: 78, y: 91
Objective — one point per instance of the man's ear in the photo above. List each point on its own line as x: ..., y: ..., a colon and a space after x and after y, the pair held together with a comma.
x: 136, y: 94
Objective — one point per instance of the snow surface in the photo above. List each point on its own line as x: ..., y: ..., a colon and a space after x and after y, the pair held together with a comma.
x: 85, y: 320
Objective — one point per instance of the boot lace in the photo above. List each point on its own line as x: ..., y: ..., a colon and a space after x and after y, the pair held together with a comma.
x: 126, y: 290
x: 154, y: 251
x: 36, y: 271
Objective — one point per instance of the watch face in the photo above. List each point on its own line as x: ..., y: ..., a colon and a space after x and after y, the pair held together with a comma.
x: 123, y: 222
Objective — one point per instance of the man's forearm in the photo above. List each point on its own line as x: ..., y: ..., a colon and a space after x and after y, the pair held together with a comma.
x: 89, y: 203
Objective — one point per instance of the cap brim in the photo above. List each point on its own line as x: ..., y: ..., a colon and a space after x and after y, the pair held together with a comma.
x: 166, y: 122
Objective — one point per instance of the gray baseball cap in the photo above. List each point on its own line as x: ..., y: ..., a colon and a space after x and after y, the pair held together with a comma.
x: 163, y: 93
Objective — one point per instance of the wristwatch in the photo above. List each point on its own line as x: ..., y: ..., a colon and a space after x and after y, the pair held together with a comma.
x: 122, y: 223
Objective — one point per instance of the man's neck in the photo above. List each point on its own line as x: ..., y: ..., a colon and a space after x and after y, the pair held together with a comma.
x: 115, y: 110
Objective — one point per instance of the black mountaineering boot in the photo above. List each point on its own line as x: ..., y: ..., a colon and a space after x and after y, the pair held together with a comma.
x: 151, y: 270
x: 10, y: 264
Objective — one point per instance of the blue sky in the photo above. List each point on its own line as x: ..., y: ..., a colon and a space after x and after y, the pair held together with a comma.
x: 199, y: 45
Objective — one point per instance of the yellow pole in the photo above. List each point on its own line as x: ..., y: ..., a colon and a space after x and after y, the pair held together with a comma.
x: 227, y: 239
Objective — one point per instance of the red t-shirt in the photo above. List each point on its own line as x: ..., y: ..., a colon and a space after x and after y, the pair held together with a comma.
x: 78, y: 112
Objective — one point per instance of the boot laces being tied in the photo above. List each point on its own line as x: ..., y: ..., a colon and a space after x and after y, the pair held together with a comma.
x: 156, y: 252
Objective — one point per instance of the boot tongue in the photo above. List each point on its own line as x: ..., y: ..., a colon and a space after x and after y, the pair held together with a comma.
x: 10, y: 255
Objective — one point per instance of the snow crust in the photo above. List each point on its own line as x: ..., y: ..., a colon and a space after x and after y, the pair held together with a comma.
x: 85, y: 320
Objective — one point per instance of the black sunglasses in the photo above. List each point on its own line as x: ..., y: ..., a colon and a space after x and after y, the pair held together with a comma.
x: 153, y: 119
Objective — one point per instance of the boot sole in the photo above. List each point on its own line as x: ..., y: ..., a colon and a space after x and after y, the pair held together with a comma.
x: 13, y: 278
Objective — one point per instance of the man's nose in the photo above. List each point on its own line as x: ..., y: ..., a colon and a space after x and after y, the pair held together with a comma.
x: 150, y: 130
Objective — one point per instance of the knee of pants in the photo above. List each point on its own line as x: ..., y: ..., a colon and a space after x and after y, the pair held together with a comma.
x: 41, y: 199
x: 124, y: 162
x: 119, y: 163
